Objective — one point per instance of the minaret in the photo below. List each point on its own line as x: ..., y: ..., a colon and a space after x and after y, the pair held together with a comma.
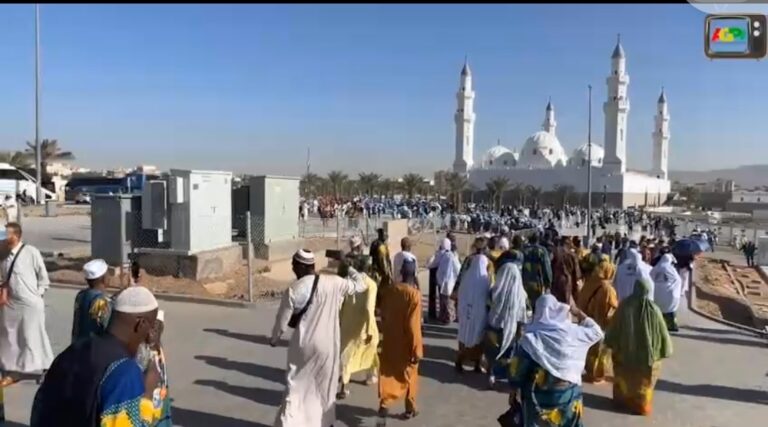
x: 465, y: 122
x: 616, y: 109
x: 661, y: 137
x: 549, y: 124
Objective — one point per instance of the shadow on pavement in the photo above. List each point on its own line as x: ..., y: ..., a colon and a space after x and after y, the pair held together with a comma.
x: 263, y: 396
x: 721, y: 340
x: 444, y: 373
x: 255, y: 339
x: 759, y: 397
x: 439, y: 352
x: 440, y: 329
x: 268, y: 373
x: 191, y: 418
x: 600, y: 403
x: 354, y: 416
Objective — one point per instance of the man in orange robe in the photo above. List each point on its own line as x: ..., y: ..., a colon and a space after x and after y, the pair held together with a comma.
x: 401, y: 345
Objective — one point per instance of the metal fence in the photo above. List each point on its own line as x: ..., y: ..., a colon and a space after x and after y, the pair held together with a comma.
x: 727, y: 234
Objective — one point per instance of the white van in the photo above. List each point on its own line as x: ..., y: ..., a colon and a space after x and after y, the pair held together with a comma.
x: 10, y: 176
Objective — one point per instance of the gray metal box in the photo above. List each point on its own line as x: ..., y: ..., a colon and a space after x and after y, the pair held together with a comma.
x: 114, y: 226
x: 154, y: 214
x: 274, y: 204
x: 203, y: 219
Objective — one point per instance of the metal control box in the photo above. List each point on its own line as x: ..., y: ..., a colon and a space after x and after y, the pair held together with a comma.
x: 200, y: 210
x: 274, y: 209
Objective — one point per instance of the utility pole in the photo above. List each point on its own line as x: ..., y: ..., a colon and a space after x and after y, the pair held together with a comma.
x: 308, y: 164
x: 589, y: 170
x: 38, y: 154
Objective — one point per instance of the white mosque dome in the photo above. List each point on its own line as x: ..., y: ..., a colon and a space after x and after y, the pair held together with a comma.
x: 542, y: 150
x: 499, y: 157
x: 581, y: 155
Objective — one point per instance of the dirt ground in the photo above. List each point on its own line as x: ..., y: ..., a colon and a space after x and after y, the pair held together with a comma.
x: 729, y: 291
x: 234, y: 286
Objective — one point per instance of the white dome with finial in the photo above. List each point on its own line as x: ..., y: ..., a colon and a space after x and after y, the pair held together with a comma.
x: 580, y: 156
x: 499, y: 156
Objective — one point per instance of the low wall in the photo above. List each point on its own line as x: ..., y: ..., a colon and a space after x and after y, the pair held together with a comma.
x: 200, y: 266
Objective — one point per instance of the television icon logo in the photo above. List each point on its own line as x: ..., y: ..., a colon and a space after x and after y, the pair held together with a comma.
x: 735, y: 36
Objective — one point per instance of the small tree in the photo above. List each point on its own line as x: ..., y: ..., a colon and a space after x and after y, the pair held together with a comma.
x: 496, y: 188
x: 412, y: 184
x: 368, y: 182
x: 309, y: 184
x: 336, y: 179
x: 456, y: 184
x: 49, y: 152
x: 564, y: 192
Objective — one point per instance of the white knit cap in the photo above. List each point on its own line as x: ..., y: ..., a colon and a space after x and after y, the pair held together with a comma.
x: 304, y: 256
x: 95, y: 268
x: 161, y: 315
x: 134, y: 300
x: 504, y: 244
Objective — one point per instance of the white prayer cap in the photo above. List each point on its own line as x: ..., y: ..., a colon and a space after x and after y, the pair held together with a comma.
x: 134, y: 300
x: 355, y: 241
x: 504, y: 244
x: 304, y: 256
x: 161, y: 315
x: 94, y: 269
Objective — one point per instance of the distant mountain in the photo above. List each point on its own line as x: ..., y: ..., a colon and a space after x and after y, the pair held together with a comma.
x: 744, y: 176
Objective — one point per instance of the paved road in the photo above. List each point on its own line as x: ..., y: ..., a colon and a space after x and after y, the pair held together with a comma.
x: 67, y: 233
x: 224, y: 374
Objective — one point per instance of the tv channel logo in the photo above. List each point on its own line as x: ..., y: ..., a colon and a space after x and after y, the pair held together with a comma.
x: 735, y: 36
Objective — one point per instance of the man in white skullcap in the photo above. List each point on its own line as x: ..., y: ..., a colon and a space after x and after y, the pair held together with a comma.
x: 96, y: 381
x: 24, y: 344
x: 92, y: 305
x: 311, y: 306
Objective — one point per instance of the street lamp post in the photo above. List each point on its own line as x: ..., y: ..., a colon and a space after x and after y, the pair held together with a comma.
x: 589, y: 170
x: 38, y: 154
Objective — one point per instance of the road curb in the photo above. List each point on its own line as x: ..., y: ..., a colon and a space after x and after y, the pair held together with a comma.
x: 176, y: 298
x: 692, y: 307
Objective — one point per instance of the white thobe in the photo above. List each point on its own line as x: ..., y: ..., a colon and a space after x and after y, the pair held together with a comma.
x: 398, y: 261
x: 314, y: 349
x: 448, y: 268
x: 24, y: 343
x: 473, y: 301
x: 667, y: 285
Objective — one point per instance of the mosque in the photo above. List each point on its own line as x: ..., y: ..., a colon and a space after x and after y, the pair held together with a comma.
x: 543, y: 162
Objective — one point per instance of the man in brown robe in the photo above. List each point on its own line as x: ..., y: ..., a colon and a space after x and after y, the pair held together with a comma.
x: 401, y: 346
x: 566, y: 272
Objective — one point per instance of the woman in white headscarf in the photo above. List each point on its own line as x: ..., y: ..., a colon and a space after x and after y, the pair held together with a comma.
x: 667, y: 289
x: 545, y: 372
x: 506, y: 316
x: 473, y: 310
x: 630, y: 271
x: 448, y: 267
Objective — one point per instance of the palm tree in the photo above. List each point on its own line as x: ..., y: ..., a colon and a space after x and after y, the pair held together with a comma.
x: 368, y: 182
x: 456, y: 184
x: 496, y: 188
x: 336, y: 179
x: 441, y: 183
x: 309, y: 184
x: 16, y: 159
x: 534, y: 193
x: 564, y: 192
x: 517, y: 193
x: 412, y: 183
x: 49, y: 152
x: 387, y: 187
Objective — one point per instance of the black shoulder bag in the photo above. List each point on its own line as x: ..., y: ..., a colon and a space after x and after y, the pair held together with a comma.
x: 296, y: 317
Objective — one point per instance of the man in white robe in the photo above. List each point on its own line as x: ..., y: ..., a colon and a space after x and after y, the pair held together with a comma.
x: 474, y: 289
x: 24, y: 344
x: 314, y: 349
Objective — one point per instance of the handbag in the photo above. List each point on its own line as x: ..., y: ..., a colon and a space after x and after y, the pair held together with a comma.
x: 296, y: 317
x: 6, y: 286
x: 513, y: 417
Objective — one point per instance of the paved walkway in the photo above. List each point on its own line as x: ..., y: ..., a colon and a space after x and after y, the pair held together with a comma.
x: 224, y: 374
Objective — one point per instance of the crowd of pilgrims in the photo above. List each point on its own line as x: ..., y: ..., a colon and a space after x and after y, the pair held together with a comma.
x: 539, y: 316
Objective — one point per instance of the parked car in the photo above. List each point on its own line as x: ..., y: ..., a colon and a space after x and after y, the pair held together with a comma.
x: 83, y: 199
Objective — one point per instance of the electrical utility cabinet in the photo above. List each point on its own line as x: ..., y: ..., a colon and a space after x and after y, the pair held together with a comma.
x: 274, y: 202
x: 190, y: 210
x: 200, y: 210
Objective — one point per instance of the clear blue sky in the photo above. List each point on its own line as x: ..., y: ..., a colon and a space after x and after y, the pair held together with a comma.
x: 369, y: 87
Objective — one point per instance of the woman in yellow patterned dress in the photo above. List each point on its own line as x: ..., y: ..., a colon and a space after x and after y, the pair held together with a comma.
x: 545, y: 372
x: 599, y: 301
x: 638, y: 339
